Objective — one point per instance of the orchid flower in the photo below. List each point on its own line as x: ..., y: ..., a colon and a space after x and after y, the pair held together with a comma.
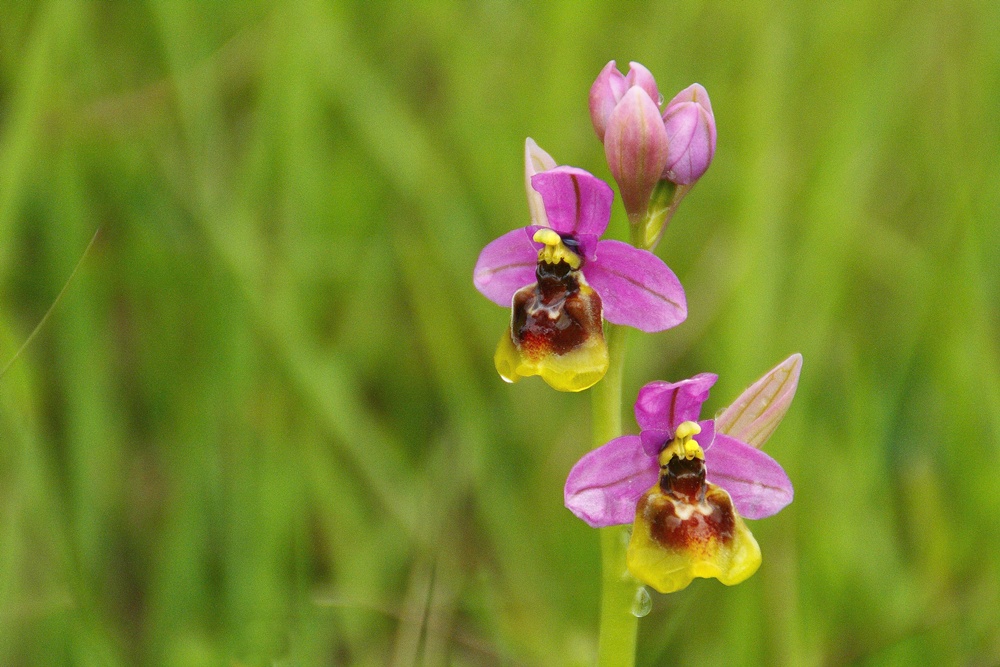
x: 560, y: 280
x: 685, y: 483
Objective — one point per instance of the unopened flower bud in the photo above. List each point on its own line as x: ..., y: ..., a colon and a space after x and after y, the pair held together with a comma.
x: 690, y: 128
x: 611, y: 86
x: 636, y: 146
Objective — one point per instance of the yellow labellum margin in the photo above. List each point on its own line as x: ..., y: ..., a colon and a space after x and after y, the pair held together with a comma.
x: 685, y: 527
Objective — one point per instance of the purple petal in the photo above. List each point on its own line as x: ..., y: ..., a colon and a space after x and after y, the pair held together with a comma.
x: 535, y: 161
x: 691, y: 132
x: 605, y: 485
x: 690, y: 126
x: 663, y: 405
x: 755, y: 481
x: 753, y: 416
x: 576, y: 202
x: 636, y: 287
x: 654, y: 439
x: 504, y: 266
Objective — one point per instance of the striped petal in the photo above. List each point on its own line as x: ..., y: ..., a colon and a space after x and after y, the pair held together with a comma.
x: 753, y: 416
x: 637, y: 288
x: 604, y: 486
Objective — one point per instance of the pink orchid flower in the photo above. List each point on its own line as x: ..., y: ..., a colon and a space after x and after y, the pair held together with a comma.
x: 560, y: 278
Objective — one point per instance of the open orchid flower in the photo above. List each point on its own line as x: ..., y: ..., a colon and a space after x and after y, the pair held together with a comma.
x: 560, y: 279
x: 685, y: 483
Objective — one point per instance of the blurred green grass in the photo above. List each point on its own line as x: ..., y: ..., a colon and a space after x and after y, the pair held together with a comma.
x: 263, y: 426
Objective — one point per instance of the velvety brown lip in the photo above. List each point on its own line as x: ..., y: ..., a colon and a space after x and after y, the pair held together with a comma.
x: 577, y: 316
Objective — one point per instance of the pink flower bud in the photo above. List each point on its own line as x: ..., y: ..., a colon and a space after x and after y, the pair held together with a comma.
x: 690, y: 127
x: 610, y: 87
x: 636, y: 146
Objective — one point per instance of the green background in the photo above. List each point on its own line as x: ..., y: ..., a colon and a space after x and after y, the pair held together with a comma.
x: 262, y: 427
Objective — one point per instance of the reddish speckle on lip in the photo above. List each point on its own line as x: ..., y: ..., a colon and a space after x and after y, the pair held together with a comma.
x: 682, y: 485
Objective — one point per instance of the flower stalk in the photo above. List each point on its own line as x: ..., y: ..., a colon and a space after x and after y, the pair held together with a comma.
x: 618, y: 626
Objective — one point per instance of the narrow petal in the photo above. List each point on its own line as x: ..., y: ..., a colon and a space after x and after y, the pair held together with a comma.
x: 535, y: 161
x: 758, y: 485
x: 637, y: 148
x: 576, y: 201
x: 753, y: 416
x: 637, y: 288
x: 664, y: 405
x: 604, y: 486
x: 504, y: 266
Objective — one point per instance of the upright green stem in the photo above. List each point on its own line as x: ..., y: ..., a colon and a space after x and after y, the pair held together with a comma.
x: 616, y: 647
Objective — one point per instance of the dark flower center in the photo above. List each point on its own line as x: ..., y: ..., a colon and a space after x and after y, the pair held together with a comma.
x: 684, y: 479
x: 555, y: 316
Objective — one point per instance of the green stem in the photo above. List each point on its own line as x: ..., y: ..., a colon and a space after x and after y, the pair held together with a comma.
x: 616, y: 644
